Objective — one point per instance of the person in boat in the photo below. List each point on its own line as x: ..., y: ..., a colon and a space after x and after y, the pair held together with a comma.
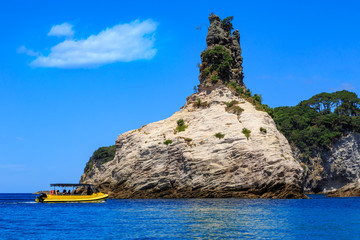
x: 64, y: 192
x: 69, y: 192
x: 57, y: 192
x: 88, y: 191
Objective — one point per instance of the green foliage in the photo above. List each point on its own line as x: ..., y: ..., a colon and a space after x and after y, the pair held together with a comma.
x: 219, y: 135
x: 263, y: 130
x: 248, y: 93
x: 188, y: 140
x: 230, y: 104
x: 315, y: 123
x: 181, y: 128
x: 246, y: 132
x: 100, y: 156
x: 181, y: 125
x: 168, y: 141
x: 207, y: 71
x: 237, y: 110
x: 214, y: 79
x: 232, y: 107
x: 342, y: 103
x: 196, y: 89
x: 199, y: 103
x: 218, y: 59
x: 180, y: 122
x: 268, y: 109
x: 235, y: 86
x: 257, y: 98
x: 226, y: 24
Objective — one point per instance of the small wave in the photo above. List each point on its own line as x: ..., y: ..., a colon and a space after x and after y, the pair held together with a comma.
x: 3, y: 203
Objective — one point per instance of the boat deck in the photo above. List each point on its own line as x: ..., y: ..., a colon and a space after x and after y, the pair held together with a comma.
x: 76, y: 198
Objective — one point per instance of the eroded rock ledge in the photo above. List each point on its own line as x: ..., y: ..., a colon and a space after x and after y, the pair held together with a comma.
x: 349, y: 190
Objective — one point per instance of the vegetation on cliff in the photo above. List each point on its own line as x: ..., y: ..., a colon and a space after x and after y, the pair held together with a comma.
x: 219, y: 62
x: 100, y: 156
x: 313, y: 124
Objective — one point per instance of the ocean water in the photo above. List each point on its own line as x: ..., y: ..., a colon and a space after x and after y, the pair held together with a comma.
x: 316, y: 218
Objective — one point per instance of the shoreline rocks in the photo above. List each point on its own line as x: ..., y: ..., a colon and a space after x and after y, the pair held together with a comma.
x: 349, y: 190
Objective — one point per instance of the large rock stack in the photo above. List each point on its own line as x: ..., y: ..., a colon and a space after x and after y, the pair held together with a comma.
x: 217, y: 145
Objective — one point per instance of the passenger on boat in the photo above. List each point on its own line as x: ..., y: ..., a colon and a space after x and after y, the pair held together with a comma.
x: 69, y: 192
x: 64, y: 192
x: 88, y: 191
x: 57, y: 192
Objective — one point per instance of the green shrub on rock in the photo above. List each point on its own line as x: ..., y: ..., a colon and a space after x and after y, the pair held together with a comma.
x: 181, y: 125
x: 246, y: 132
x: 219, y: 135
x: 200, y: 104
x: 214, y: 79
x: 237, y: 110
x: 231, y: 107
x: 168, y: 141
x: 226, y: 24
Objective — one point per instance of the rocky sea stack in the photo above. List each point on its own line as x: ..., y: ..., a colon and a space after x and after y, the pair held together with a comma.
x: 220, y: 144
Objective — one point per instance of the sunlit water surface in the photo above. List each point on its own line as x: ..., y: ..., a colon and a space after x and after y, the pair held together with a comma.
x: 316, y: 218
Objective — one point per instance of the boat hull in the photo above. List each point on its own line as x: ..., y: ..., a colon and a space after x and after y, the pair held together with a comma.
x: 95, y: 197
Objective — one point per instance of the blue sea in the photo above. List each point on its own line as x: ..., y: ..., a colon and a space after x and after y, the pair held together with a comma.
x: 316, y: 218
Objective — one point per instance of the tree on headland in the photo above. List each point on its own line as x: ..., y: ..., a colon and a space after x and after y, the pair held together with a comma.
x: 315, y: 123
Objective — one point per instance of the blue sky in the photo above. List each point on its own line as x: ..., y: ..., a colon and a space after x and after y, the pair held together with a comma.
x: 74, y: 75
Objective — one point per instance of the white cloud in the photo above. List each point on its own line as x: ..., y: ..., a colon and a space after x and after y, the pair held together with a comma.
x: 29, y: 52
x: 61, y: 30
x: 121, y: 43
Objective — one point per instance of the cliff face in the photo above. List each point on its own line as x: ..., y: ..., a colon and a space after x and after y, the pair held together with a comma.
x: 217, y: 145
x: 334, y: 168
x: 197, y: 163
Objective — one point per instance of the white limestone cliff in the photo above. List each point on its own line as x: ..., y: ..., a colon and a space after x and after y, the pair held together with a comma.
x: 197, y: 163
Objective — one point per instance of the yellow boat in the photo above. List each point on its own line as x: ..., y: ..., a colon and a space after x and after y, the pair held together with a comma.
x: 54, y: 196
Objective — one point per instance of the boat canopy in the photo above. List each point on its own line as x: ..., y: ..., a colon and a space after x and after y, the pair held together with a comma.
x: 70, y: 185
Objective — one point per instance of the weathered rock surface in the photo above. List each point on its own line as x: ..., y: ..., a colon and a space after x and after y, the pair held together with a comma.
x: 333, y: 169
x: 198, y: 164
x: 219, y: 34
x: 349, y: 190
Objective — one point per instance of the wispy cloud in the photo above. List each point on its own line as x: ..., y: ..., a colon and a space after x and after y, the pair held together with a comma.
x: 61, y: 30
x: 120, y: 43
x: 344, y: 86
x: 23, y: 49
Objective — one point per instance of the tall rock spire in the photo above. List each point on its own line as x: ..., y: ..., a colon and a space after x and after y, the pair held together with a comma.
x: 221, y: 61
